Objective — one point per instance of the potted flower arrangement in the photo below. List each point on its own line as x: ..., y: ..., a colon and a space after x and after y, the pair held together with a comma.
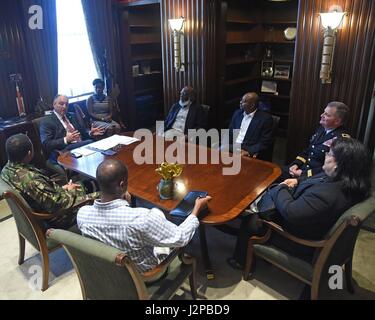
x: 168, y: 172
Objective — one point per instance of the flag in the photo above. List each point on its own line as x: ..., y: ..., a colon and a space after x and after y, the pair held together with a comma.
x: 19, y: 100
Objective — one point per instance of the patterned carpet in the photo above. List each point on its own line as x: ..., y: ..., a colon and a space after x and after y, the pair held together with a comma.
x: 269, y: 282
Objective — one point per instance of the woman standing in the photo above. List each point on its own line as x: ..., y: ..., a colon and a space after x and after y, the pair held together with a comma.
x: 100, y: 108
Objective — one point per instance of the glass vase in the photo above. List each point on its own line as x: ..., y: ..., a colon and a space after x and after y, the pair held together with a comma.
x: 165, y: 189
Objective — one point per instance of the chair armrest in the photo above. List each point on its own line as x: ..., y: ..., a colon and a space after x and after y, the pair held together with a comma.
x: 309, y: 243
x: 153, y: 274
x: 260, y: 239
x: 48, y: 216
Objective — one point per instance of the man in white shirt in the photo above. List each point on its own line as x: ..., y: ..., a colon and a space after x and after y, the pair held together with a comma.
x: 184, y: 115
x: 136, y: 231
x: 255, y: 127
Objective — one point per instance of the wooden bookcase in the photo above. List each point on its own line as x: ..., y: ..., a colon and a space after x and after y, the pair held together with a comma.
x: 248, y: 30
x: 142, y: 57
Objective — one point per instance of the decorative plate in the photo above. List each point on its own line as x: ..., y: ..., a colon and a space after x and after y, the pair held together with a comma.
x: 290, y: 33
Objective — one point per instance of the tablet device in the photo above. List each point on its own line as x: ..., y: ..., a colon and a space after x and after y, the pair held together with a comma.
x: 186, y: 205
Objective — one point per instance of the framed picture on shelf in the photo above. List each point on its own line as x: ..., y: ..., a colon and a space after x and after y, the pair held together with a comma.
x: 269, y: 87
x: 135, y: 70
x: 146, y: 68
x: 267, y: 69
x: 281, y: 71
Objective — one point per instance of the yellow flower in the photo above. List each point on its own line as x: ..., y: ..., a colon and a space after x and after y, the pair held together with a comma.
x: 168, y: 171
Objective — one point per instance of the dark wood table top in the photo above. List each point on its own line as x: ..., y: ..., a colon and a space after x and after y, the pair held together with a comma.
x: 231, y: 193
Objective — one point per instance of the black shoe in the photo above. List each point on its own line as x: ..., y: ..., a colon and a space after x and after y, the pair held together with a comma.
x: 234, y: 264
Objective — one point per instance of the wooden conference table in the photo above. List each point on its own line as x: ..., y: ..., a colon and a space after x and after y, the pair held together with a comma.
x: 231, y: 194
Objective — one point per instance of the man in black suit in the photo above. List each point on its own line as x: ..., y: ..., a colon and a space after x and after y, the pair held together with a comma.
x: 61, y: 131
x: 255, y: 126
x: 184, y: 115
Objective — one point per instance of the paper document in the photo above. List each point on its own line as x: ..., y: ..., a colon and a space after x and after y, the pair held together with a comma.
x: 126, y: 140
x: 83, y: 151
x: 111, y: 142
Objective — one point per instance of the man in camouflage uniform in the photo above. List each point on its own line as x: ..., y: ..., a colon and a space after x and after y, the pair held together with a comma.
x: 42, y: 194
x: 310, y: 161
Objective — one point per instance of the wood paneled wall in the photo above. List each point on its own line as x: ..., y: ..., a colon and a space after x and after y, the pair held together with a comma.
x: 14, y: 59
x: 353, y: 69
x: 200, y: 31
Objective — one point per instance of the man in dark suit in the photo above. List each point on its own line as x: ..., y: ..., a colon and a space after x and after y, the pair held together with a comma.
x: 255, y: 127
x: 184, y: 115
x: 309, y: 162
x: 61, y: 131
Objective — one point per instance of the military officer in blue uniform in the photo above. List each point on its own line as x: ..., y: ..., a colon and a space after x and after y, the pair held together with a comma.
x: 310, y: 161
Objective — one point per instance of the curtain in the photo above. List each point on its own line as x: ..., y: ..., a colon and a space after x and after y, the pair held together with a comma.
x: 101, y: 29
x: 14, y: 59
x: 42, y: 48
x: 100, y: 26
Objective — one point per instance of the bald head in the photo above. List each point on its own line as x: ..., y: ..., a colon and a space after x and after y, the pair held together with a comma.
x: 61, y: 104
x: 249, y: 102
x: 111, y: 176
x: 187, y: 93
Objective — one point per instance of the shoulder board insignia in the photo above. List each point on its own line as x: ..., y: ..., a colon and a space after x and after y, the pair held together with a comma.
x: 303, y: 160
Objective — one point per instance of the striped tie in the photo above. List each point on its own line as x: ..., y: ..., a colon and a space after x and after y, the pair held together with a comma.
x: 69, y: 126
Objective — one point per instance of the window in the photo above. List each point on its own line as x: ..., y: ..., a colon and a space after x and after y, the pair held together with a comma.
x: 76, y: 67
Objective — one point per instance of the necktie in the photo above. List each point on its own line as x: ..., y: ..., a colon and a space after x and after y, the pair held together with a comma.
x: 69, y: 126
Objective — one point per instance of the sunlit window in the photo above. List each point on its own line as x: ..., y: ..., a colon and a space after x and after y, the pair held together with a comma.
x: 76, y: 68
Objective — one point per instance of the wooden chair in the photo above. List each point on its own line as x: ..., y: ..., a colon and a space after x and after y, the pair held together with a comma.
x: 335, y: 249
x: 266, y: 155
x: 106, y: 273
x: 30, y: 227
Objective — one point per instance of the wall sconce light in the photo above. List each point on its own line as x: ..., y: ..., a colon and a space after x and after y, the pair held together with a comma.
x: 177, y: 26
x: 331, y: 22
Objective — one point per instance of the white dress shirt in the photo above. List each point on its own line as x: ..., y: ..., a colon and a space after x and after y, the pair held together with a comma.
x: 244, y: 126
x: 60, y: 119
x: 65, y: 126
x: 179, y: 123
x: 62, y: 122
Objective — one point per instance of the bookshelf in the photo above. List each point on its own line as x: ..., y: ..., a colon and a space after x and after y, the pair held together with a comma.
x: 248, y: 31
x: 141, y: 44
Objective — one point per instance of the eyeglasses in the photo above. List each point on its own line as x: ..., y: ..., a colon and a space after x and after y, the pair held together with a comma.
x: 249, y: 104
